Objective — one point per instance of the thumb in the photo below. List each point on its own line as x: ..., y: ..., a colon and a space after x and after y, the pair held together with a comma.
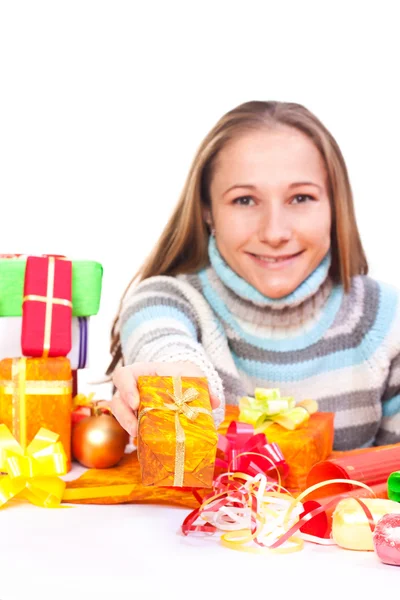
x: 125, y: 380
x: 215, y: 401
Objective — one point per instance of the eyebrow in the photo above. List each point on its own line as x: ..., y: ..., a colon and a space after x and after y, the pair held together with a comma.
x: 253, y: 187
x: 298, y: 183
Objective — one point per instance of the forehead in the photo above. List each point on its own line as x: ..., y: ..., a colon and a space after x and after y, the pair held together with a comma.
x: 280, y: 155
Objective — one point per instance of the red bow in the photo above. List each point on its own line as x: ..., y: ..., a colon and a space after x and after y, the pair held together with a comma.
x: 248, y: 453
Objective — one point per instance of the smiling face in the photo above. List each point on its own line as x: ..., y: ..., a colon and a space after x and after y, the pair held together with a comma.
x: 270, y: 208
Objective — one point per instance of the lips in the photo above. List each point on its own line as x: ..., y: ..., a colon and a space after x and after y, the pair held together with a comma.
x: 275, y: 259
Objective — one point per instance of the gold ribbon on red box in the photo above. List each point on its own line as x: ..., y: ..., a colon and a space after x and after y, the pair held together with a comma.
x: 47, y: 307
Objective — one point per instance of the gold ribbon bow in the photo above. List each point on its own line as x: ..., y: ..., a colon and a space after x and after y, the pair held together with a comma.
x: 83, y: 400
x: 31, y: 473
x: 268, y: 407
x: 180, y: 407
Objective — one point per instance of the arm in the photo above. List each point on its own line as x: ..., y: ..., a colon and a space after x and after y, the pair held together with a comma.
x: 389, y: 430
x: 158, y: 324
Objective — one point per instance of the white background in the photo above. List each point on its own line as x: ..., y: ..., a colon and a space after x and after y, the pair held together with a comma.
x: 103, y: 104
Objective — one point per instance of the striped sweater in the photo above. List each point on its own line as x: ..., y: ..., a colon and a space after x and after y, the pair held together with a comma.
x: 342, y: 350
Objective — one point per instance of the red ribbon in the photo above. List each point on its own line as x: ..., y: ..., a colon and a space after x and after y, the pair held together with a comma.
x: 312, y: 521
x: 244, y: 452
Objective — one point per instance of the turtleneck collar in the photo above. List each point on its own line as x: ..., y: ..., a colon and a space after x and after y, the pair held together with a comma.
x: 306, y: 290
x: 290, y: 323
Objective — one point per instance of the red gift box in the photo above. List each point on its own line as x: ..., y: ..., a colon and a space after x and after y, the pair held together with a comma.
x: 47, y: 307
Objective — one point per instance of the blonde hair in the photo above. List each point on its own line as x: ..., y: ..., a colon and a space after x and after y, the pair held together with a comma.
x: 183, y: 245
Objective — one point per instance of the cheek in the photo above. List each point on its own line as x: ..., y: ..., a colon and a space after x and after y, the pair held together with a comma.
x: 233, y: 227
x: 315, y: 229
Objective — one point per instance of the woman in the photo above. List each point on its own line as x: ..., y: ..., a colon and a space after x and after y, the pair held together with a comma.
x: 260, y: 280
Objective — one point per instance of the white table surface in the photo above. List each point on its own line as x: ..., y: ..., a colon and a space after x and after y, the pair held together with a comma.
x: 138, y: 551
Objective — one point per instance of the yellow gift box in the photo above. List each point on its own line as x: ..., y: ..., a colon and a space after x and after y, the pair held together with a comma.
x: 35, y: 393
x: 177, y: 439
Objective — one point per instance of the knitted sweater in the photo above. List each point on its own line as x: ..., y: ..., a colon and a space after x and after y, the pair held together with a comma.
x: 342, y: 350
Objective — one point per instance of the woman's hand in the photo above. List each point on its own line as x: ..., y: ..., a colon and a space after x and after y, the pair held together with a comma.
x: 126, y: 399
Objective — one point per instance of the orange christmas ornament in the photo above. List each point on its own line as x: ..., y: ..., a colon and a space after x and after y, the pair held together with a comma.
x: 98, y: 441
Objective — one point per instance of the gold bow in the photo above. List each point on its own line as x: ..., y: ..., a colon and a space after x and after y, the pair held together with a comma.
x: 268, y: 407
x: 82, y: 400
x: 31, y: 473
x: 180, y: 407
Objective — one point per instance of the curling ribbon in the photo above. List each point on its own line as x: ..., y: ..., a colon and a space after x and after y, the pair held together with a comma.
x: 251, y: 509
x: 32, y: 473
x: 249, y: 453
x: 181, y: 407
x: 268, y: 407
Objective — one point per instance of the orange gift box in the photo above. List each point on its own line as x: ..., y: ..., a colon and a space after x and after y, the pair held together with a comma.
x: 177, y: 439
x: 302, y: 448
x: 35, y: 393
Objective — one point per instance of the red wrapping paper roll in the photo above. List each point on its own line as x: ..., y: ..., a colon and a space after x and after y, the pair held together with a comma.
x: 371, y: 466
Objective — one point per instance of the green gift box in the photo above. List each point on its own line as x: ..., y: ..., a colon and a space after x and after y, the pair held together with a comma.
x: 86, y: 287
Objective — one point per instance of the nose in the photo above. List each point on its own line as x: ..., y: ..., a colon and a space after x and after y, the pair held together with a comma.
x: 275, y: 227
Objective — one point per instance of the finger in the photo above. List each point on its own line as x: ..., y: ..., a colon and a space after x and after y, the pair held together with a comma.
x: 215, y: 401
x: 124, y: 414
x: 125, y: 382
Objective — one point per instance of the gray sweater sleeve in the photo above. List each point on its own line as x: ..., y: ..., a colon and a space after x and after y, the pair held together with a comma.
x: 158, y: 324
x: 389, y: 431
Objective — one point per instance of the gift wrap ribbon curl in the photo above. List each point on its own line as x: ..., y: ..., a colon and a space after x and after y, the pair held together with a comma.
x: 32, y: 473
x: 255, y: 515
x: 268, y: 407
x: 180, y: 406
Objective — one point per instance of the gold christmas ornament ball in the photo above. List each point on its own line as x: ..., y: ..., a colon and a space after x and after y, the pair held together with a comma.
x: 99, y: 441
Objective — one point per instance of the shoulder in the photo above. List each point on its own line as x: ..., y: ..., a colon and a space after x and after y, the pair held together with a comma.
x: 381, y: 308
x: 373, y: 293
x: 161, y: 284
x: 368, y: 313
x: 165, y: 293
x: 385, y: 295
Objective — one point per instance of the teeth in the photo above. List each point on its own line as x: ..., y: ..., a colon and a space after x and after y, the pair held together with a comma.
x: 271, y: 260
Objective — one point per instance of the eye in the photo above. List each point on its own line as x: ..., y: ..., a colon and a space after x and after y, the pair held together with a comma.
x: 244, y: 201
x: 302, y: 198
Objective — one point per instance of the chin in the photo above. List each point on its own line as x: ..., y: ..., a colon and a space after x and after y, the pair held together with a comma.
x: 276, y: 294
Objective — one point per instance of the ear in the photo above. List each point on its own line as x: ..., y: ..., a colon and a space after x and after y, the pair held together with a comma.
x: 207, y: 216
